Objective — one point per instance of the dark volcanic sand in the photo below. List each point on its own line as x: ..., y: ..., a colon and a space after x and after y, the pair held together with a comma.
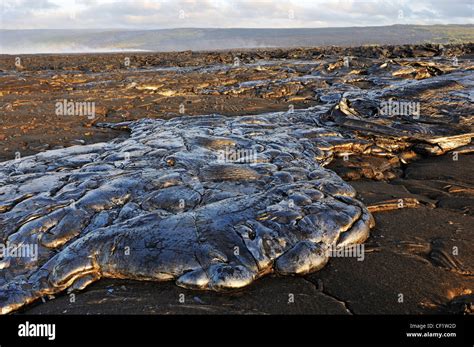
x: 409, y: 251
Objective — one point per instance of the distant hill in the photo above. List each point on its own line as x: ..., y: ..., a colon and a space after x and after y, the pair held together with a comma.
x: 80, y: 41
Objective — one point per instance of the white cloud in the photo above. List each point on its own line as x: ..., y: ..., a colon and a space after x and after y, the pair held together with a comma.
x: 157, y: 14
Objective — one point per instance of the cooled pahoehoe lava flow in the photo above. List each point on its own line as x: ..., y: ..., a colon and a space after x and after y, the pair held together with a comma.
x: 164, y: 205
x: 174, y: 202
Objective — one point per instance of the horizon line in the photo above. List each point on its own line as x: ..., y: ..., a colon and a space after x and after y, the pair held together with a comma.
x: 247, y: 28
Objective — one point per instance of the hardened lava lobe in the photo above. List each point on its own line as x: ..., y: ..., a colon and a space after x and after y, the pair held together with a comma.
x: 174, y: 202
x: 171, y: 203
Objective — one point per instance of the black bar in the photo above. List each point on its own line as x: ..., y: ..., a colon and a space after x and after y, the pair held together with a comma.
x: 241, y: 329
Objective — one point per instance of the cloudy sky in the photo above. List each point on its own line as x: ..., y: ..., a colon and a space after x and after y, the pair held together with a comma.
x: 159, y: 14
